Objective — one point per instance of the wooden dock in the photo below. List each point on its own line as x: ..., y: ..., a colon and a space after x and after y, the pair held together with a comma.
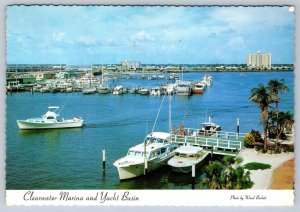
x: 221, y: 143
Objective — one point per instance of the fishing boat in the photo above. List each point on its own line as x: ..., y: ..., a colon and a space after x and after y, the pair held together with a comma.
x: 185, y: 157
x: 118, y: 90
x: 183, y: 88
x: 49, y: 121
x: 198, y: 88
x: 209, y: 128
x: 153, y: 153
x: 156, y: 91
x: 207, y: 79
x: 102, y: 89
x: 144, y: 91
x: 89, y: 90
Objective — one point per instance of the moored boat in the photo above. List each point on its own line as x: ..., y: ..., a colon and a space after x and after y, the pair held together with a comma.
x: 185, y: 157
x: 50, y: 121
x: 198, y: 88
x: 144, y: 91
x: 209, y: 128
x: 156, y: 153
x: 118, y: 90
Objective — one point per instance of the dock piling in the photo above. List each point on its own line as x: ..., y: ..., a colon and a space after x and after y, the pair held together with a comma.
x: 193, y: 175
x: 103, y: 161
x: 238, y: 127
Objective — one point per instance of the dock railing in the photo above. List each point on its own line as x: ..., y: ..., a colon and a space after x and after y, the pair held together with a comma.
x: 221, y: 142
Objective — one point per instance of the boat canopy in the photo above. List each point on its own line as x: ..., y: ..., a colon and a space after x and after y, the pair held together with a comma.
x: 161, y: 135
x: 188, y: 150
x: 53, y: 107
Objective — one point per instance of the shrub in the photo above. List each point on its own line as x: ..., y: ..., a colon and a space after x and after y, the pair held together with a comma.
x: 256, y: 166
x: 228, y: 159
x: 248, y: 140
x: 239, y: 160
x: 257, y: 136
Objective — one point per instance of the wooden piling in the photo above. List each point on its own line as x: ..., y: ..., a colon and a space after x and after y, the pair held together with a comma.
x: 193, y: 176
x: 103, y: 161
x: 238, y: 127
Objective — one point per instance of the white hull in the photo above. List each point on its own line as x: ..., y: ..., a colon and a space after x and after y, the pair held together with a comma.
x: 136, y: 170
x: 185, y: 165
x: 71, y: 123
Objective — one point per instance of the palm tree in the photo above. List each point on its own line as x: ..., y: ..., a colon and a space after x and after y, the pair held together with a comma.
x: 277, y: 86
x: 262, y: 98
x: 285, y: 120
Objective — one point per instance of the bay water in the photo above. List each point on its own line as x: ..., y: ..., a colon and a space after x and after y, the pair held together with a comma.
x: 72, y: 158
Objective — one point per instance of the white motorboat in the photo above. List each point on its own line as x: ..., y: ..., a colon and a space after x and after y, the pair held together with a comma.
x: 49, y: 121
x: 144, y: 91
x: 209, y: 128
x: 89, y: 90
x: 103, y: 89
x: 183, y: 88
x: 185, y: 157
x: 155, y: 154
x: 207, y: 79
x: 156, y: 91
x: 118, y: 90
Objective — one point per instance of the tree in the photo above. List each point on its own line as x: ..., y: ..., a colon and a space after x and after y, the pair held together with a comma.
x: 275, y: 87
x: 262, y: 98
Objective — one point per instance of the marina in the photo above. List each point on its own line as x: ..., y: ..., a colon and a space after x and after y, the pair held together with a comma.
x: 72, y: 158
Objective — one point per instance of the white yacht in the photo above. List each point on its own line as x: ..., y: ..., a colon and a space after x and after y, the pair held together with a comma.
x: 183, y: 88
x: 185, y: 157
x: 49, y: 121
x: 209, y: 128
x: 157, y: 152
x: 118, y: 90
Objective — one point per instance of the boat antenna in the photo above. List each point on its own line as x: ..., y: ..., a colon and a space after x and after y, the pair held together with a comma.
x: 184, y: 115
x: 158, y: 113
x: 170, y: 114
x: 147, y: 123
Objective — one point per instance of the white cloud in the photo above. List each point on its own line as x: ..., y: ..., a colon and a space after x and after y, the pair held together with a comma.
x: 58, y: 36
x: 142, y: 36
x: 88, y: 40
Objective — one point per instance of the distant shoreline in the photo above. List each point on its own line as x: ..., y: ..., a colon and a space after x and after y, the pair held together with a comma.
x: 192, y: 71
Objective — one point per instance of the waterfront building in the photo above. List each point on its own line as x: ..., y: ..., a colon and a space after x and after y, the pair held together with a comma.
x: 130, y: 64
x: 259, y: 60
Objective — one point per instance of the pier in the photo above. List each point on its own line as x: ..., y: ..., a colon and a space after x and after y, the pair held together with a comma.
x: 221, y: 143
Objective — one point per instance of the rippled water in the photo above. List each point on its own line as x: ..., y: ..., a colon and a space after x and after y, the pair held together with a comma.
x: 71, y: 158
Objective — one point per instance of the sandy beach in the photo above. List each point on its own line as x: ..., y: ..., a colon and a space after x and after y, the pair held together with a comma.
x: 262, y: 178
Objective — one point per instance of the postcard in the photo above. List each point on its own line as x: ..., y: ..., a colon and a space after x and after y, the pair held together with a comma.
x: 150, y: 105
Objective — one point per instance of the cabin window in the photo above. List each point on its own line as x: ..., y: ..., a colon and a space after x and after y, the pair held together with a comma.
x: 50, y: 117
x: 138, y: 154
x: 163, y: 150
x: 131, y: 153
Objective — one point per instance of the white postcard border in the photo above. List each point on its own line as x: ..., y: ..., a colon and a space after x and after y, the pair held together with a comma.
x: 150, y: 197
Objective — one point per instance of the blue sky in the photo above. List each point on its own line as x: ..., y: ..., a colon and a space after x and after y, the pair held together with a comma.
x: 194, y: 35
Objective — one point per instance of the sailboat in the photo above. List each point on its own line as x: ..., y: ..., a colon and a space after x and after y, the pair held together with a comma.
x: 103, y: 89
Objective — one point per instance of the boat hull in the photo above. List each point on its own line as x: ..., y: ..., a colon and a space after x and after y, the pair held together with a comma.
x: 136, y: 170
x: 30, y: 125
x: 103, y: 91
x: 186, y: 166
x: 198, y: 91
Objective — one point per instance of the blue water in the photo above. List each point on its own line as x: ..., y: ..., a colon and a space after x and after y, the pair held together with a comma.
x: 71, y: 158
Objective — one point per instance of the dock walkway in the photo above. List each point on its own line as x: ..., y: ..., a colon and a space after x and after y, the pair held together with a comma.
x: 221, y: 143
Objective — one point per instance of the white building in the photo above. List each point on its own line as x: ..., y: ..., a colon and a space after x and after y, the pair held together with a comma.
x: 131, y: 64
x: 259, y: 60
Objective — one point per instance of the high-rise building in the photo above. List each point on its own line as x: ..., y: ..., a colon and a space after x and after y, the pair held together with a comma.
x: 259, y: 60
x: 131, y: 64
